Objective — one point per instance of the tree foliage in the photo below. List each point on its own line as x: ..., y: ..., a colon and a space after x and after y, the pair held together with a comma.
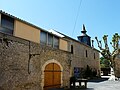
x: 104, y: 63
x: 105, y: 51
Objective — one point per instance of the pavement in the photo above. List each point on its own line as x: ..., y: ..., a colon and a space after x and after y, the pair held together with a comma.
x: 98, y: 84
x: 105, y: 85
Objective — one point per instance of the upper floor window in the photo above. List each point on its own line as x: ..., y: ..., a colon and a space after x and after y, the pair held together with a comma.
x: 7, y: 24
x: 56, y: 42
x: 71, y: 48
x: 43, y: 38
x: 49, y: 39
x: 94, y: 55
x: 86, y: 54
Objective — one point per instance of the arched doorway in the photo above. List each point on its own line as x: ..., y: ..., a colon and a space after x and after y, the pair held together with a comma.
x: 52, y: 76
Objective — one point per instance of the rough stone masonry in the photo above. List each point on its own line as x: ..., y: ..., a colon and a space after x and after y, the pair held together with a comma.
x: 21, y: 63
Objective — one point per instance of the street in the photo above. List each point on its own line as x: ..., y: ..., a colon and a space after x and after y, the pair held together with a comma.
x: 99, y: 84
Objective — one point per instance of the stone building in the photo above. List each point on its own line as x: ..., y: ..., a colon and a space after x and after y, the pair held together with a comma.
x: 35, y: 59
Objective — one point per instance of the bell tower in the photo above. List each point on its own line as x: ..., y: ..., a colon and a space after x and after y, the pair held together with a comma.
x: 84, y: 38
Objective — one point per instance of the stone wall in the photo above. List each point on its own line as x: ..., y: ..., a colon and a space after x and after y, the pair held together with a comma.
x: 79, y: 58
x: 21, y: 63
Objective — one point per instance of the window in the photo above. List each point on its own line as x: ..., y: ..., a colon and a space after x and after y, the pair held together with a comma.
x: 43, y: 38
x: 56, y: 42
x: 0, y: 40
x: 71, y: 48
x: 50, y: 40
x: 94, y: 55
x: 7, y: 24
x: 86, y: 54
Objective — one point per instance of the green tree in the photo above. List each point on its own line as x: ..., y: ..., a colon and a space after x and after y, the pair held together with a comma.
x: 106, y: 53
x: 104, y: 63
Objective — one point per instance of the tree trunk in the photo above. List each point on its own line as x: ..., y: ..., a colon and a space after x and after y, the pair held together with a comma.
x: 112, y: 76
x: 112, y: 70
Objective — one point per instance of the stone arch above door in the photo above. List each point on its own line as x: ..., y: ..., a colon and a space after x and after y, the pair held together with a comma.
x: 43, y: 69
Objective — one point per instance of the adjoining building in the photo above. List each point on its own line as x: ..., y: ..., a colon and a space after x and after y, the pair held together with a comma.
x: 35, y: 59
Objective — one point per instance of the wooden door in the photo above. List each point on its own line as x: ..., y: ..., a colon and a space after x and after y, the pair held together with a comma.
x: 52, y: 76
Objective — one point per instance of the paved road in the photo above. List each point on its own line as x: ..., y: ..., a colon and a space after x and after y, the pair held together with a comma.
x: 105, y: 85
x: 100, y: 85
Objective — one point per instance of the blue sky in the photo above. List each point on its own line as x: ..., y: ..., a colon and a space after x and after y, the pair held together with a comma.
x: 99, y: 16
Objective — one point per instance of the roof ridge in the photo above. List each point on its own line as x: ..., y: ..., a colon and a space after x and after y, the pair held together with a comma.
x: 3, y: 12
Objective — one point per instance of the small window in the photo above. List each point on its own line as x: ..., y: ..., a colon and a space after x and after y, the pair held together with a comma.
x: 7, y: 24
x: 94, y: 55
x: 0, y: 40
x: 56, y: 42
x: 43, y: 38
x: 50, y: 40
x: 71, y: 48
x: 86, y: 54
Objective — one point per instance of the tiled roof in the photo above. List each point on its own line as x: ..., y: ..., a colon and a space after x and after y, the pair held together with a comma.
x: 39, y: 27
x: 21, y: 20
x: 26, y: 22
